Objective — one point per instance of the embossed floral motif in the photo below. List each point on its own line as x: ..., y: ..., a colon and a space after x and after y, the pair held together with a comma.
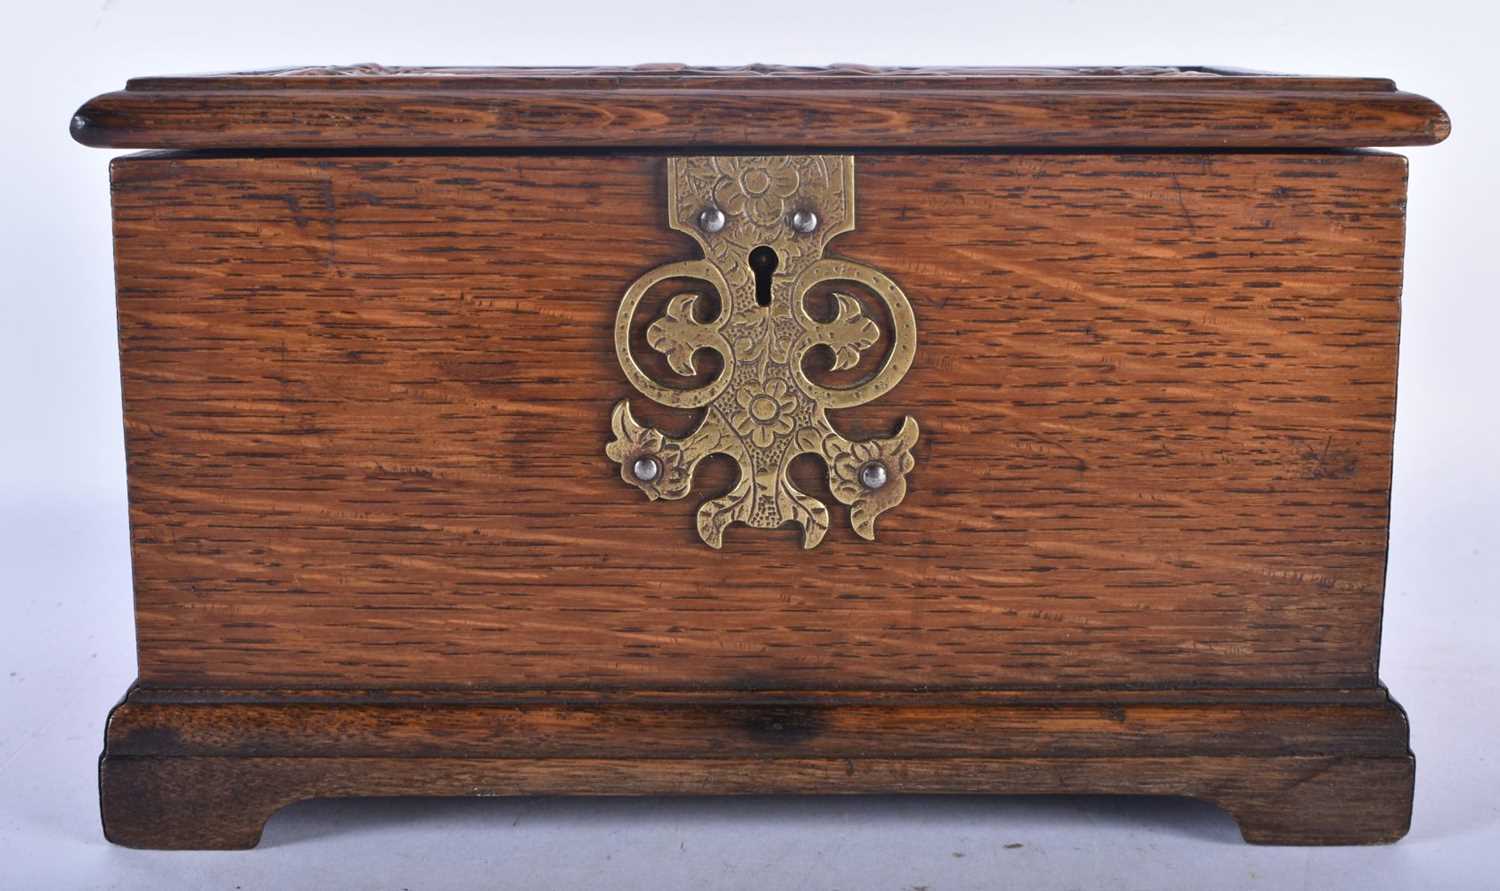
x: 763, y: 409
x: 677, y: 335
x: 849, y: 334
x: 756, y: 187
x: 765, y: 412
x: 633, y: 441
x: 847, y: 459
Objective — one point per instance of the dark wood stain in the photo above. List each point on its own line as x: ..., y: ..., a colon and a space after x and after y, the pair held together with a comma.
x: 844, y: 108
x: 1323, y: 774
x: 366, y: 444
x: 378, y: 548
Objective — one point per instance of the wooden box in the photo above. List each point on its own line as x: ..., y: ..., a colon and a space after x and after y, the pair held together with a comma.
x: 683, y: 431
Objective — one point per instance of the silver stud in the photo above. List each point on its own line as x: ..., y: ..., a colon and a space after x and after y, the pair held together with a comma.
x: 804, y: 221
x: 711, y: 219
x: 873, y: 475
x: 646, y: 468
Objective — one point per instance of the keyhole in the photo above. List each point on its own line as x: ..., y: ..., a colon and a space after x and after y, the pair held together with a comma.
x: 763, y: 261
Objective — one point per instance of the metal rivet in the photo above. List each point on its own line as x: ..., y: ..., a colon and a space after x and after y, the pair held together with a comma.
x: 873, y: 475
x: 646, y: 468
x: 804, y: 221
x: 711, y: 219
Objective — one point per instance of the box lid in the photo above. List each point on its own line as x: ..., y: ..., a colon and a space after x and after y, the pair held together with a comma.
x: 675, y: 106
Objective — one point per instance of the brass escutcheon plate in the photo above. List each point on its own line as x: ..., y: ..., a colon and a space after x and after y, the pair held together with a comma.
x: 762, y: 410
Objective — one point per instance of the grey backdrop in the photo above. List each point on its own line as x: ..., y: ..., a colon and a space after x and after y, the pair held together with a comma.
x: 65, y: 642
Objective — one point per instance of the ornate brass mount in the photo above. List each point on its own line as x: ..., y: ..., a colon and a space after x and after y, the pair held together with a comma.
x: 763, y: 223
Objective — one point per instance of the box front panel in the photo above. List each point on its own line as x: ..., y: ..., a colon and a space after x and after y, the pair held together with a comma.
x: 367, y: 401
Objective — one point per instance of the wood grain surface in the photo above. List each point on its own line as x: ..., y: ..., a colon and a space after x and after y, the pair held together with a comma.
x: 756, y: 77
x: 183, y: 771
x: 364, y: 107
x: 224, y: 803
x: 751, y: 728
x: 367, y: 398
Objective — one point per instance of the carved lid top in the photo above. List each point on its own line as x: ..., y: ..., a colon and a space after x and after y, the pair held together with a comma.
x: 760, y: 106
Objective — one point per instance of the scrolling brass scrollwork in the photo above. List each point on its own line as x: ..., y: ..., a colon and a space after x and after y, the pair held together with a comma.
x: 762, y: 410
